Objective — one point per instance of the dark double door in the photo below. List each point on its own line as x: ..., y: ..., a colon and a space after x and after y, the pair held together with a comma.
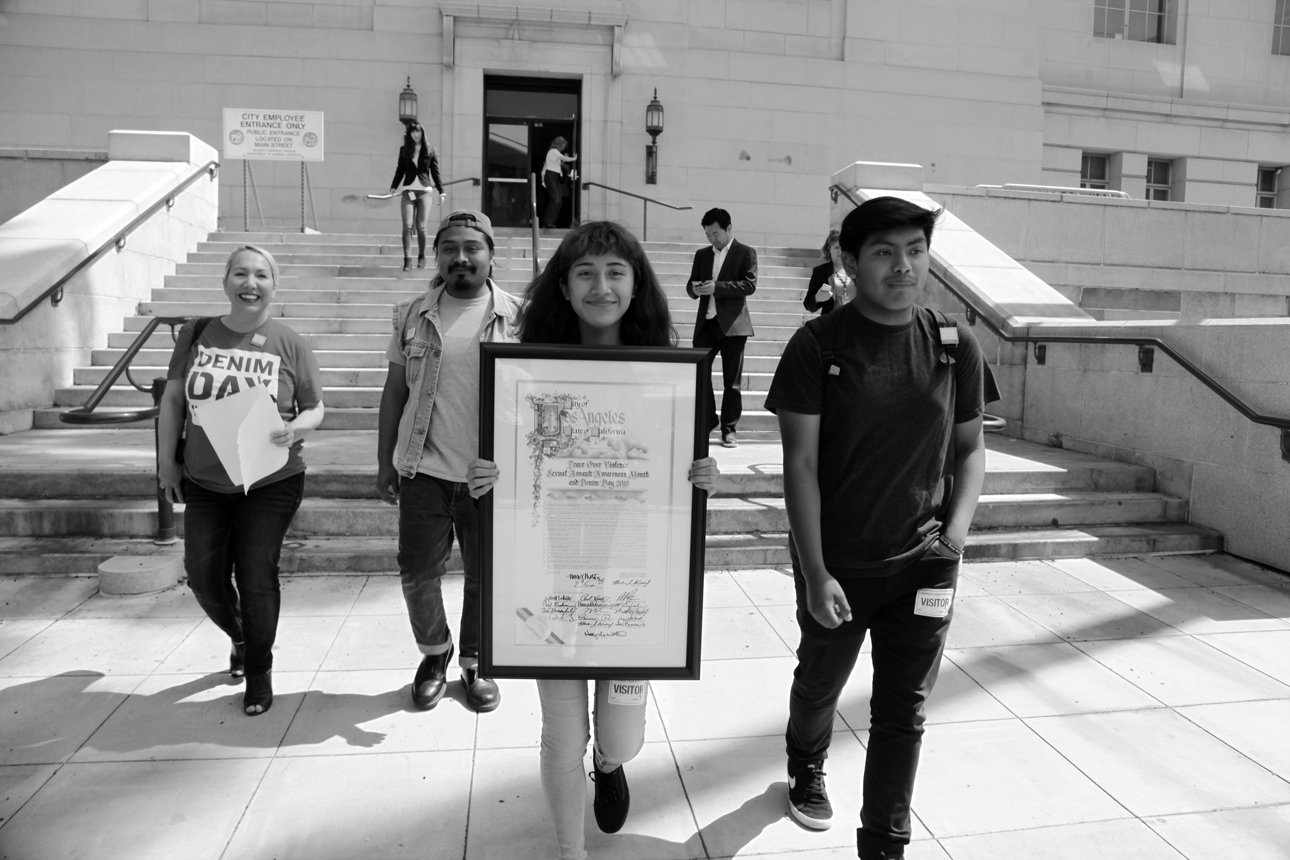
x: 521, y: 118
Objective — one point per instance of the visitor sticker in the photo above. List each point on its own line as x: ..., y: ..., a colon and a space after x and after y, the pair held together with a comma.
x: 626, y: 692
x: 934, y: 602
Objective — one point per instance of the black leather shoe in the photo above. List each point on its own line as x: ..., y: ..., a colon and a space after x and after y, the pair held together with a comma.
x: 431, y: 681
x: 482, y: 695
x: 613, y: 800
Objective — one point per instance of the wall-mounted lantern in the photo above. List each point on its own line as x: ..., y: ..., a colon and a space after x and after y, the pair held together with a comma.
x: 653, y: 127
x: 408, y: 104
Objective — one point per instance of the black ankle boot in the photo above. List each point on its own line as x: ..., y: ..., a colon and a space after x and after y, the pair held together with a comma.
x: 259, y: 692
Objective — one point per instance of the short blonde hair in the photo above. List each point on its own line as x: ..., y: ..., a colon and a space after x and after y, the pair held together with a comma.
x: 268, y: 258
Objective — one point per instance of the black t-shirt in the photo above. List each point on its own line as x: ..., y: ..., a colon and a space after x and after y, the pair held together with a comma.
x: 886, y: 429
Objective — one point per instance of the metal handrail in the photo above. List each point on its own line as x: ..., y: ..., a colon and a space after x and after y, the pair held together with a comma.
x: 1185, y: 363
x: 85, y: 415
x: 533, y: 221
x: 473, y: 180
x: 648, y: 200
x: 55, y: 292
x: 979, y: 312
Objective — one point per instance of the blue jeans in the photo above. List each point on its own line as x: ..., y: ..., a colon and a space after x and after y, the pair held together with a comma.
x: 232, y: 543
x: 907, y: 651
x: 431, y: 511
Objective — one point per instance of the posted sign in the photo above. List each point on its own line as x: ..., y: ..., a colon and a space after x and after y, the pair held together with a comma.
x: 291, y: 135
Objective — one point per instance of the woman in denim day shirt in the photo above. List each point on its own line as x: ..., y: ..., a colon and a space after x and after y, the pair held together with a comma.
x: 233, y: 539
x: 597, y: 290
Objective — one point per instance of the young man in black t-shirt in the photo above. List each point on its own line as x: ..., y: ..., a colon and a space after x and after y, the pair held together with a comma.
x: 880, y: 406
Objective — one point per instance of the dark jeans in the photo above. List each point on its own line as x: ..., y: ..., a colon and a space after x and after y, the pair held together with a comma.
x: 431, y: 511
x: 232, y: 543
x: 906, y: 658
x: 554, y: 197
x: 731, y: 349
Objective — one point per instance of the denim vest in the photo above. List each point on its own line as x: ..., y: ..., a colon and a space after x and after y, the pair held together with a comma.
x: 423, y: 350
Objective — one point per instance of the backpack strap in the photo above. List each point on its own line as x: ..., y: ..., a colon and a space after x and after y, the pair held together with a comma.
x: 820, y: 328
x: 947, y: 334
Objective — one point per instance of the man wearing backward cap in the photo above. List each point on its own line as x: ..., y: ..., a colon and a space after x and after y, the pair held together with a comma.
x: 429, y: 433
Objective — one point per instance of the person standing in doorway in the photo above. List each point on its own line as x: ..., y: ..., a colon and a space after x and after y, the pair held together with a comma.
x: 722, y: 278
x: 429, y: 434
x: 553, y: 180
x: 880, y: 405
x: 415, y: 174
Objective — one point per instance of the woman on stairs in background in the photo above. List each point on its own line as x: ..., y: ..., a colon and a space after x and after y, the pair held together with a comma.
x: 830, y: 286
x: 598, y: 289
x: 233, y: 537
x: 417, y: 166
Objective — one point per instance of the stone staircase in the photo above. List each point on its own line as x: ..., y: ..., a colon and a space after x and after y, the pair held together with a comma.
x: 337, y: 290
x: 68, y: 500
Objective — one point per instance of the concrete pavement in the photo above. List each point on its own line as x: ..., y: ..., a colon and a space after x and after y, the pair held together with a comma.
x: 1109, y: 708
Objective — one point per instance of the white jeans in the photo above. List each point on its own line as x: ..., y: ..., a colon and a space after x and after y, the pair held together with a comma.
x: 620, y: 734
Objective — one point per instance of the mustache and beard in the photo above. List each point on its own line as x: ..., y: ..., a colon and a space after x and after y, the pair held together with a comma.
x: 462, y: 273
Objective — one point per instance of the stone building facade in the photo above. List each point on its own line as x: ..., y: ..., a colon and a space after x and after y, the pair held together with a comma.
x: 764, y: 99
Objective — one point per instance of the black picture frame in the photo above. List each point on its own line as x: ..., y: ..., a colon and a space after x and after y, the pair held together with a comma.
x: 505, y: 370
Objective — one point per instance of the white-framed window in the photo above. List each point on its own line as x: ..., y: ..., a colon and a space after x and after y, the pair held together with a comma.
x: 1269, y: 184
x: 1159, y: 174
x: 1281, y: 28
x: 1136, y: 20
x: 1092, y: 171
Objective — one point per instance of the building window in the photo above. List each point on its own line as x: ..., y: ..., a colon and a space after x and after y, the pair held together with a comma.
x: 1281, y: 28
x: 1158, y: 176
x: 1092, y: 171
x: 1137, y: 20
x: 1266, y: 195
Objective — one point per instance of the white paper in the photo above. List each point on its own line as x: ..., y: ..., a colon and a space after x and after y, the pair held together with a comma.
x: 238, y: 427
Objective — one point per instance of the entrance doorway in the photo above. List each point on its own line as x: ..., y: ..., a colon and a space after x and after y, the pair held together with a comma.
x: 521, y: 118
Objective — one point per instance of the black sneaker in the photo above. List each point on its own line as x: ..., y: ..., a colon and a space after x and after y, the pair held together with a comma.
x: 612, y: 799
x: 808, y: 802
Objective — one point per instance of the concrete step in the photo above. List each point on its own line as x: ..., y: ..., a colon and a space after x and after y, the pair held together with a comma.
x: 196, y: 288
x: 1143, y: 539
x: 159, y: 359
x: 300, y: 325
x: 340, y: 369
x: 162, y: 342
x: 771, y: 550
x: 1004, y: 510
x: 362, y: 515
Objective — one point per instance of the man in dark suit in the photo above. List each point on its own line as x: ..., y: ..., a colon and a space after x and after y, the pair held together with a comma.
x: 722, y: 278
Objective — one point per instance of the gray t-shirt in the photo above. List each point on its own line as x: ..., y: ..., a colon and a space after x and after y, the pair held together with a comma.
x: 453, y: 440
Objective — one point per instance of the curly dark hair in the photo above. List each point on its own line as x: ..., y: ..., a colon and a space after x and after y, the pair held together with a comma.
x: 547, y: 316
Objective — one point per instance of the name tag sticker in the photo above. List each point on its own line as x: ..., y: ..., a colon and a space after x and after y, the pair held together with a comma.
x: 258, y: 340
x: 412, y: 333
x: 627, y: 692
x: 934, y: 602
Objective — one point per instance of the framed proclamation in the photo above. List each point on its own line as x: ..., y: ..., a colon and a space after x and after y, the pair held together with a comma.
x: 593, y: 535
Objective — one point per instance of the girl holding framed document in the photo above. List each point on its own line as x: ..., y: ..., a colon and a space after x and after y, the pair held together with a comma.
x: 597, y: 290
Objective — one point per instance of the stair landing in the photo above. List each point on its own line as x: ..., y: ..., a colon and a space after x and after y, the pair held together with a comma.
x: 70, y: 500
